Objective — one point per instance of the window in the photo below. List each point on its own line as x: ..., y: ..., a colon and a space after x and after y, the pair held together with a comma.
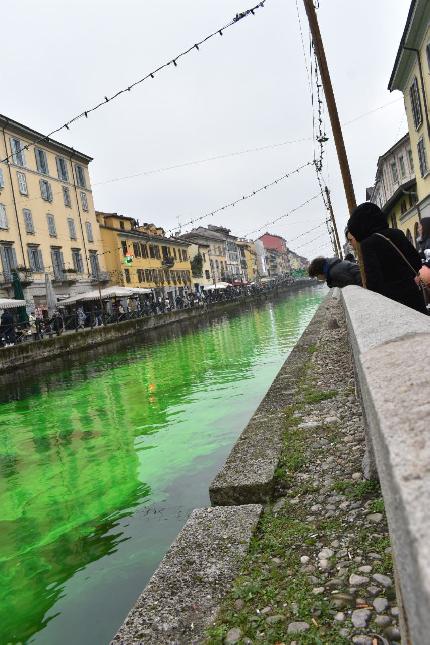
x: 124, y: 247
x: 414, y: 94
x: 35, y: 259
x: 184, y: 255
x: 78, y: 264
x: 413, y: 198
x: 94, y: 264
x: 28, y: 220
x: 45, y: 190
x: 89, y: 230
x: 51, y: 225
x: 164, y: 252
x: 18, y: 155
x: 422, y: 156
x: 80, y: 176
x: 402, y: 166
x: 84, y: 201
x: 411, y: 160
x: 207, y: 274
x: 66, y: 197
x: 148, y: 275
x: 22, y: 183
x: 174, y: 253
x: 127, y: 275
x: 403, y: 207
x: 8, y: 258
x: 151, y: 251
x: 393, y: 221
x: 136, y: 250
x: 41, y: 161
x: 57, y: 260
x: 3, y: 218
x: 72, y: 228
x: 121, y: 225
x: 1, y: 179
x: 144, y: 250
x: 62, y: 171
x: 141, y: 275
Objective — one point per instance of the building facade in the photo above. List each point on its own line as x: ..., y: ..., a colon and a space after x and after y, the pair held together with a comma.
x: 47, y: 218
x: 142, y: 256
x: 395, y: 189
x: 411, y: 75
x: 276, y: 262
x: 223, y: 251
x: 200, y: 265
x: 248, y: 260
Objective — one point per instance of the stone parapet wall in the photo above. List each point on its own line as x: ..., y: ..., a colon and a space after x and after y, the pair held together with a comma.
x: 391, y: 347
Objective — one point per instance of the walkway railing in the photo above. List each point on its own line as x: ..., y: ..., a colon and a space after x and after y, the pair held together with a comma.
x: 75, y: 321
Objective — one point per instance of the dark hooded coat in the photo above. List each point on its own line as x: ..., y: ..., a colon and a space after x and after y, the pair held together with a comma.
x: 386, y: 271
x: 340, y: 273
x: 424, y: 241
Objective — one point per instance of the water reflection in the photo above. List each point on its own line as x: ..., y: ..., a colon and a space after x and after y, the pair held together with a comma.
x: 83, y: 451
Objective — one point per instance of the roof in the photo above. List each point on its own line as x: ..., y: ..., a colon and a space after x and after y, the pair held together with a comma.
x: 203, y: 232
x: 123, y: 217
x: 9, y: 124
x: 396, y: 195
x: 415, y: 27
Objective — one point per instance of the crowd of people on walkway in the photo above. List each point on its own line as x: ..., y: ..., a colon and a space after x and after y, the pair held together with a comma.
x: 84, y: 315
x: 390, y: 264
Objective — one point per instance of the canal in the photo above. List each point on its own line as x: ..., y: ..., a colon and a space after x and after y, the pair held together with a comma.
x: 102, y: 462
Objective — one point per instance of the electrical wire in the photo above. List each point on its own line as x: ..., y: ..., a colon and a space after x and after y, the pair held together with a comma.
x: 257, y: 230
x: 174, y: 61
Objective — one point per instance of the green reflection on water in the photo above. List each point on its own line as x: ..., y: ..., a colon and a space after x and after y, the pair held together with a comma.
x: 89, y: 456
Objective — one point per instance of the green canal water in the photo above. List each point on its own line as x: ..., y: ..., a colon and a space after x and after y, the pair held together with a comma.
x: 101, y: 464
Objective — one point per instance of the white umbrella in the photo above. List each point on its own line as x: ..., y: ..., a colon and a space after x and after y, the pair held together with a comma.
x: 8, y: 303
x: 109, y: 292
x: 51, y: 298
x: 140, y: 290
x: 218, y: 285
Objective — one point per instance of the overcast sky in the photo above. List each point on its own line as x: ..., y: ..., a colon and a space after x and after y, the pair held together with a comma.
x: 245, y: 90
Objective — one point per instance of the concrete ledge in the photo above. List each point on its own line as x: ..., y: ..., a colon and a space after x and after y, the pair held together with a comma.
x: 248, y: 474
x: 391, y: 346
x: 183, y: 596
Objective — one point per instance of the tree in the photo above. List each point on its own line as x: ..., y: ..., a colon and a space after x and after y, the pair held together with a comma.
x: 197, y: 266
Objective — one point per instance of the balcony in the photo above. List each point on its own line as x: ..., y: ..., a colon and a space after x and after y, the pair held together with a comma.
x: 101, y: 276
x: 168, y: 262
x: 67, y: 276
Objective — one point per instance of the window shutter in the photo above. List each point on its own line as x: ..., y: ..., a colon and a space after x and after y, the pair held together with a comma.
x: 49, y: 189
x: 31, y: 259
x: 3, y: 217
x: 1, y: 179
x: 62, y: 260
x: 40, y: 260
x: 14, y: 260
x: 4, y: 261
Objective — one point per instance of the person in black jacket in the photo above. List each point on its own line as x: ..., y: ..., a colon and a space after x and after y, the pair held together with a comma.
x: 424, y: 240
x: 386, y: 271
x: 337, y: 273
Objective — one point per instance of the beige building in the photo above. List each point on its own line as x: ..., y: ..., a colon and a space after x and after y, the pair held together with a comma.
x: 411, y: 75
x: 200, y: 265
x: 47, y: 218
x: 248, y: 259
x: 395, y: 190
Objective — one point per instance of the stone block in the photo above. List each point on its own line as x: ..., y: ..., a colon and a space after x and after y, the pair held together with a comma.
x: 183, y: 596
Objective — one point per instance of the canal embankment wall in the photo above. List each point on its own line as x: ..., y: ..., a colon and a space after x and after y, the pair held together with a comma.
x: 29, y: 354
x: 390, y: 348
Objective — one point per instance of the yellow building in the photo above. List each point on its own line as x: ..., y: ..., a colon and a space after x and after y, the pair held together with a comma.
x: 248, y: 259
x: 411, y: 75
x: 200, y: 264
x: 142, y: 256
x: 47, y: 217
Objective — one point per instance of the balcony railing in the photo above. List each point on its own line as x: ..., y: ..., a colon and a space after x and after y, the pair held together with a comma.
x: 168, y: 262
x: 100, y: 276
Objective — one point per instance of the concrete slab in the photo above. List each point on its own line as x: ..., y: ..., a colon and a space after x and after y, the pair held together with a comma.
x: 183, y: 596
x: 397, y: 391
x: 373, y: 319
x: 247, y: 476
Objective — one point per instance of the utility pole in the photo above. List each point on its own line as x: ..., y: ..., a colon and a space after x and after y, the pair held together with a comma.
x: 334, y: 117
x: 331, y: 104
x: 333, y: 221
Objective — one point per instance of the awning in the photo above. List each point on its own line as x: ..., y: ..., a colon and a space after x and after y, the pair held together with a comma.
x: 94, y: 294
x: 10, y: 303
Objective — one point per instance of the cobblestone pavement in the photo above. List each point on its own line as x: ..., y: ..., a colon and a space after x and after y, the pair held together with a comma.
x: 319, y: 571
